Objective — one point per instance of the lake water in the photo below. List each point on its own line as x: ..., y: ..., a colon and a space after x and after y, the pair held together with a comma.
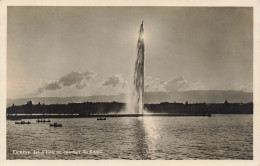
x: 173, y: 138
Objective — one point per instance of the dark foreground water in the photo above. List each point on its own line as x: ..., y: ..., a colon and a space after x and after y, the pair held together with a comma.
x: 216, y: 137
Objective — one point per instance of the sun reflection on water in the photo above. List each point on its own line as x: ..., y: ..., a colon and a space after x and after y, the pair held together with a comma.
x: 151, y: 135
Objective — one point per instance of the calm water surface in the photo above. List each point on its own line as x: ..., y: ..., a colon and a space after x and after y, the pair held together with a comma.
x: 175, y: 138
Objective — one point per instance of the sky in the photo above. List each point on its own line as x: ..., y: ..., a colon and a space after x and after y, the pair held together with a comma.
x: 84, y: 51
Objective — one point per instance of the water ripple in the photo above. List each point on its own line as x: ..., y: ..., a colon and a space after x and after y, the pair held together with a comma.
x: 170, y: 138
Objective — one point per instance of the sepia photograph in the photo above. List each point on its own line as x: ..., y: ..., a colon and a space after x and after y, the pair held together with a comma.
x: 129, y: 83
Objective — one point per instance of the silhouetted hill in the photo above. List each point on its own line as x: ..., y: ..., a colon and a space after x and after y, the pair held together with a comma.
x: 194, y: 96
x: 199, y: 96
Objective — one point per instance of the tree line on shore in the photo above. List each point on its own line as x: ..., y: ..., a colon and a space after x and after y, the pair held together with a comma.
x: 116, y: 107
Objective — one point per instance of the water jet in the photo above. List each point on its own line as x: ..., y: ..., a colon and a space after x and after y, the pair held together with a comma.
x: 135, y: 103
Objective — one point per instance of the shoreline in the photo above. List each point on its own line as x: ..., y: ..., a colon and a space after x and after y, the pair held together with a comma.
x: 19, y: 117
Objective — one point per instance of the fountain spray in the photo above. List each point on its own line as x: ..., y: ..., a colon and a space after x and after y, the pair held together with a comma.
x: 135, y: 102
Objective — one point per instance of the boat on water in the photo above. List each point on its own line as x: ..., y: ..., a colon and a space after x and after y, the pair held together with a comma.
x: 101, y: 118
x: 43, y: 120
x: 56, y: 125
x: 23, y: 122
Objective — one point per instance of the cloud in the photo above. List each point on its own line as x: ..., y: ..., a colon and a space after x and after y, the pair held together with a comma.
x: 177, y: 84
x: 196, y: 86
x: 244, y: 87
x: 80, y: 86
x: 114, y: 81
x: 73, y: 79
x: 52, y: 86
x: 181, y: 84
x: 154, y: 84
x: 247, y: 88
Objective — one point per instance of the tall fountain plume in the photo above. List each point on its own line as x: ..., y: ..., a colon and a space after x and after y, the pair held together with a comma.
x: 135, y: 100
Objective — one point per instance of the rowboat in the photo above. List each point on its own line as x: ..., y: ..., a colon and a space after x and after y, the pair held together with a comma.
x: 23, y: 122
x: 56, y: 125
x: 101, y: 118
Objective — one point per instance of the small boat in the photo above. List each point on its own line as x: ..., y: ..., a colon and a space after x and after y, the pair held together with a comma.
x: 56, y: 125
x: 23, y: 122
x: 101, y: 118
x: 43, y: 121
